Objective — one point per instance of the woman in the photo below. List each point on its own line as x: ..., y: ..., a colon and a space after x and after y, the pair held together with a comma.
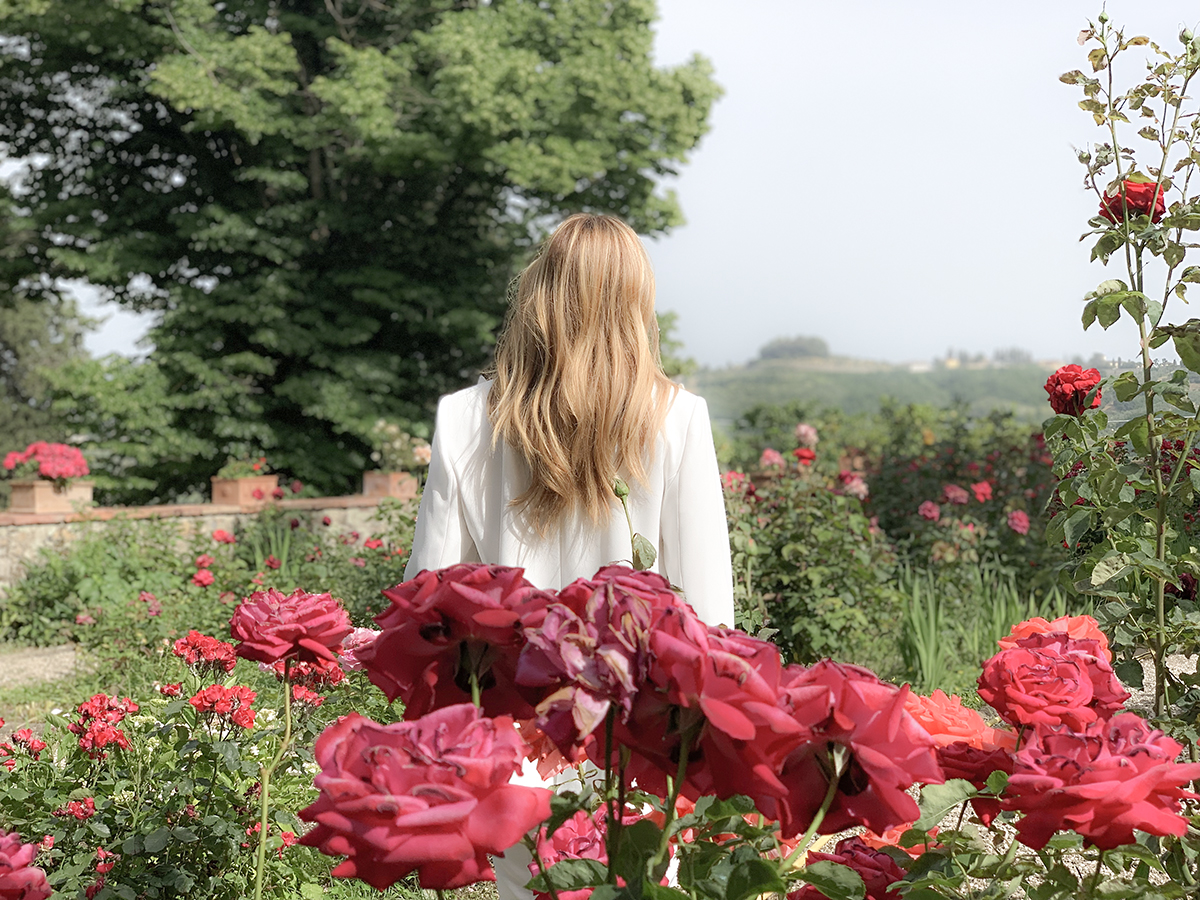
x: 524, y: 462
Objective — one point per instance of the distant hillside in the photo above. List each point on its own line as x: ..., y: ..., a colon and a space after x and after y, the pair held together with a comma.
x: 856, y: 386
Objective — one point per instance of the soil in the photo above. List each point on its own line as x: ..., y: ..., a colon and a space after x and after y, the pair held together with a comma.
x: 27, y: 665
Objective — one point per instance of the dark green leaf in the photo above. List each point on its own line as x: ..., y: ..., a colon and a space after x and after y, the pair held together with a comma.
x: 1125, y: 386
x: 156, y: 840
x: 571, y: 875
x: 937, y: 800
x: 754, y: 877
x: 997, y: 781
x: 1187, y: 345
x: 1131, y: 673
x: 1076, y: 526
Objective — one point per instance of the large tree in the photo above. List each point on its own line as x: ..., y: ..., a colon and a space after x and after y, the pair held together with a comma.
x: 325, y: 200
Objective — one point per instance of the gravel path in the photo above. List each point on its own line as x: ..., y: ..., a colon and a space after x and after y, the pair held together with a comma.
x: 27, y: 665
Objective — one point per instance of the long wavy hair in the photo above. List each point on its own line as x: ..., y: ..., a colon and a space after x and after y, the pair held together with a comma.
x: 579, y: 388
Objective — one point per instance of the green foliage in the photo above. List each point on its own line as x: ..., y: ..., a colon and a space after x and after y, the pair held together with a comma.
x: 809, y: 565
x: 670, y: 348
x: 90, y: 589
x: 179, y: 806
x: 324, y: 207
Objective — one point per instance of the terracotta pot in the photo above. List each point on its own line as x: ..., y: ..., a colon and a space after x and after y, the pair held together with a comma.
x: 400, y: 485
x: 38, y: 495
x: 240, y: 491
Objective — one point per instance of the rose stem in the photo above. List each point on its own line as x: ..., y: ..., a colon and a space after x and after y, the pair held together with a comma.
x: 840, y: 760
x: 610, y: 837
x: 475, y: 689
x: 532, y: 845
x: 265, y: 778
x: 673, y: 788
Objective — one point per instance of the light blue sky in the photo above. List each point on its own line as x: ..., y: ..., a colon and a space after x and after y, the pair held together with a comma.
x: 897, y: 178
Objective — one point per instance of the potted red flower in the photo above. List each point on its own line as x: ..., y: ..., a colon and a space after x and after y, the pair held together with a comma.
x: 46, y: 479
x: 244, y: 482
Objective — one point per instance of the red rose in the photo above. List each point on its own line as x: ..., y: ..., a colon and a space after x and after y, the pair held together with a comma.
x: 372, y: 543
x: 301, y: 694
x: 1051, y: 679
x: 223, y: 537
x: 442, y: 624
x: 849, y: 709
x: 325, y: 520
x: 929, y: 511
x: 78, y: 809
x: 203, y: 578
x: 430, y: 796
x: 321, y: 673
x: 297, y: 486
x: 591, y: 650
x: 106, y: 861
x: 226, y: 702
x: 1068, y: 389
x: 171, y: 690
x: 804, y: 456
x: 277, y: 493
x: 205, y: 654
x: 1141, y: 199
x: 271, y: 562
x: 271, y: 626
x: 961, y: 760
x: 18, y: 879
x: 726, y: 686
x: 1103, y: 783
x: 982, y: 491
x: 203, y: 561
x: 257, y: 494
x: 878, y: 870
x: 1078, y: 627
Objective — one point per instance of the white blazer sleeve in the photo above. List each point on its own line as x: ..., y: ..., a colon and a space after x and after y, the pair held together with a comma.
x: 694, y: 541
x: 441, y: 537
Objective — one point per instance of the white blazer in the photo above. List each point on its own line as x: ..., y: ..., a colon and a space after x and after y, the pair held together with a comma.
x: 465, y: 514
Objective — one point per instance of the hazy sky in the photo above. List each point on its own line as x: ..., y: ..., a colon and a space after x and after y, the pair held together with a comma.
x: 897, y: 178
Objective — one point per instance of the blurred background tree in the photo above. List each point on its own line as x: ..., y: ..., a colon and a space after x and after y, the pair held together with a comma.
x: 323, y: 201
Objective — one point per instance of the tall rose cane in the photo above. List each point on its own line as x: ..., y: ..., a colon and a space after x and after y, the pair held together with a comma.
x: 271, y: 626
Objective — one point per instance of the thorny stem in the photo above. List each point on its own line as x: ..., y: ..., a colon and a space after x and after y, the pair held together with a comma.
x: 265, y: 778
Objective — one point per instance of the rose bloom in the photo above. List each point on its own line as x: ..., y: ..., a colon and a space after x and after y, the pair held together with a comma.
x: 78, y: 809
x: 18, y: 879
x: 771, y: 459
x: 353, y: 645
x: 735, y: 482
x: 430, y: 796
x: 1051, y: 679
x: 579, y: 837
x: 321, y: 673
x: 930, y: 511
x: 946, y: 720
x: 372, y: 543
x: 1141, y: 199
x: 271, y: 626
x: 1078, y: 627
x: 205, y: 654
x: 857, y: 488
x: 804, y: 456
x: 591, y: 650
x: 956, y: 495
x: 203, y: 561
x: 1018, y: 521
x: 257, y: 494
x: 722, y: 687
x: 877, y: 870
x: 223, y: 537
x: 302, y: 695
x: 23, y: 737
x: 982, y: 491
x: 203, y: 578
x: 226, y: 702
x: 1068, y: 389
x: 849, y: 708
x: 1103, y: 783
x: 806, y: 435
x: 277, y: 493
x: 442, y: 619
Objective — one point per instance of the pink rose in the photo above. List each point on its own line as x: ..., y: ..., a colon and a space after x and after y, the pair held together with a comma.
x: 1018, y: 521
x: 271, y: 626
x: 18, y: 879
x: 1103, y: 783
x: 223, y: 537
x: 982, y: 491
x: 1077, y: 627
x: 930, y: 511
x: 955, y: 495
x: 203, y: 561
x: 1052, y: 679
x: 580, y: 837
x: 771, y: 459
x: 430, y: 796
x: 203, y: 578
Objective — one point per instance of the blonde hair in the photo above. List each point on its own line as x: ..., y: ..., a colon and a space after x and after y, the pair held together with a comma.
x: 579, y: 389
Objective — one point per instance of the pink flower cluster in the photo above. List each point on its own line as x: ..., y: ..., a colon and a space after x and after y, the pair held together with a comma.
x: 54, y: 461
x: 232, y: 703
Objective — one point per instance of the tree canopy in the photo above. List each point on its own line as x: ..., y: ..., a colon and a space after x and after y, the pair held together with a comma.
x: 323, y: 201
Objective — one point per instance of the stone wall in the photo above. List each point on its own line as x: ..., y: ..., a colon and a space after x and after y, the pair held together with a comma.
x: 23, y: 537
